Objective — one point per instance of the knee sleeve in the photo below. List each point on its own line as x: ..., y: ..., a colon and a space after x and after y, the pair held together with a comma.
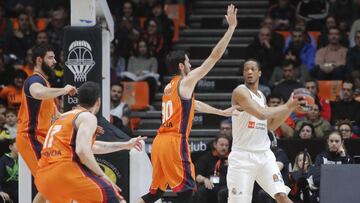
x: 184, y: 197
x: 150, y: 198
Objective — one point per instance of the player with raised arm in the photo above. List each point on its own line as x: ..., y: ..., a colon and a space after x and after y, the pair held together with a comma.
x: 170, y: 154
x: 251, y: 159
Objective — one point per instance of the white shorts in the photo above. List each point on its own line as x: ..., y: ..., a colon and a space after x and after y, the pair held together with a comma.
x: 245, y: 168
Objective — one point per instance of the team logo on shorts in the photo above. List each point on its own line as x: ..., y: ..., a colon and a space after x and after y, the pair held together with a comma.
x: 80, y: 59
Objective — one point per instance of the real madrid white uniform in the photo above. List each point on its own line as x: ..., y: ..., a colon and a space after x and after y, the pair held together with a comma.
x: 251, y: 159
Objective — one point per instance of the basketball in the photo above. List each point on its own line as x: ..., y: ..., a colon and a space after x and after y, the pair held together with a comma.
x: 307, y: 97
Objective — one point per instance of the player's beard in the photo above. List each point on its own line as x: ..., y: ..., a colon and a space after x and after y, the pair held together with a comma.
x: 49, y: 72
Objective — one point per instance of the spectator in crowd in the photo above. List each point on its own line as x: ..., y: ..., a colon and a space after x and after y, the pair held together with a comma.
x: 42, y: 37
x: 313, y: 86
x: 12, y: 93
x: 266, y: 52
x: 331, y: 59
x: 343, y: 10
x: 10, y: 123
x: 128, y: 14
x: 226, y: 128
x: 154, y: 38
x: 2, y: 115
x: 282, y: 162
x: 306, y: 131
x: 7, y: 26
x: 299, y: 190
x: 55, y: 29
x: 283, y: 14
x: 347, y: 107
x: 301, y: 71
x: 286, y: 129
x: 354, y: 28
x: 117, y: 64
x: 144, y: 7
x: 313, y: 12
x: 334, y: 154
x: 353, y: 60
x: 119, y: 109
x: 276, y: 38
x: 322, y: 127
x: 323, y: 39
x: 144, y: 67
x: 21, y: 39
x: 289, y: 83
x: 211, y: 170
x: 14, y: 7
x: 9, y: 173
x: 301, y: 24
x: 301, y: 48
x: 125, y: 36
x: 167, y: 25
x: 28, y: 66
x: 345, y: 129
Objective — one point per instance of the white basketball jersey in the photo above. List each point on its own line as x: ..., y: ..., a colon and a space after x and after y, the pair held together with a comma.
x: 250, y: 133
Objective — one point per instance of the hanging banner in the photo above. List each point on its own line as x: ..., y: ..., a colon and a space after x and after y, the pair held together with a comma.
x: 83, y: 59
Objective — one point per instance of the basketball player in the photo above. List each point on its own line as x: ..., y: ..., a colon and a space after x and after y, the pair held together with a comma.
x: 251, y: 158
x: 170, y: 155
x: 37, y: 108
x: 67, y: 167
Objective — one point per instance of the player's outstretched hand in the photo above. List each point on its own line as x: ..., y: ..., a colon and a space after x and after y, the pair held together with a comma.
x: 136, y: 143
x: 70, y: 90
x: 231, y: 16
x: 5, y: 196
x: 230, y: 111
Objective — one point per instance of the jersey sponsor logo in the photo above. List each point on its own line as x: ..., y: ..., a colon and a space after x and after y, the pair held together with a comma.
x: 51, y: 153
x: 255, y: 125
x: 168, y: 125
x: 80, y: 60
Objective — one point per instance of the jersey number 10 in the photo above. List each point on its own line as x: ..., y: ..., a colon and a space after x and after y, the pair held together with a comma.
x: 167, y: 110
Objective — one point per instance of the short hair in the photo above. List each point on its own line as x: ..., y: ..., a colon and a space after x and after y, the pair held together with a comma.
x: 351, y: 82
x: 173, y: 59
x: 274, y: 95
x: 222, y: 136
x: 40, y: 50
x: 88, y: 94
x: 253, y: 60
x: 348, y: 122
x: 314, y: 81
x: 287, y: 63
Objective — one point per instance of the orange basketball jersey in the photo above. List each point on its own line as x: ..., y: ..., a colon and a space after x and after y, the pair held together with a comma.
x: 59, y: 144
x: 177, y: 113
x: 35, y: 116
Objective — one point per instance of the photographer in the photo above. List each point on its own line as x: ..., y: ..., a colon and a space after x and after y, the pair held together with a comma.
x: 211, y: 170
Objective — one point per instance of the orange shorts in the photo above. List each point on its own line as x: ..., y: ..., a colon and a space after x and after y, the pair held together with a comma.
x: 29, y: 147
x: 172, y: 165
x: 65, y: 181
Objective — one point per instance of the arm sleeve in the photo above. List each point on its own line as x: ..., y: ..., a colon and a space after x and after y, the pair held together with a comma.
x: 30, y: 81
